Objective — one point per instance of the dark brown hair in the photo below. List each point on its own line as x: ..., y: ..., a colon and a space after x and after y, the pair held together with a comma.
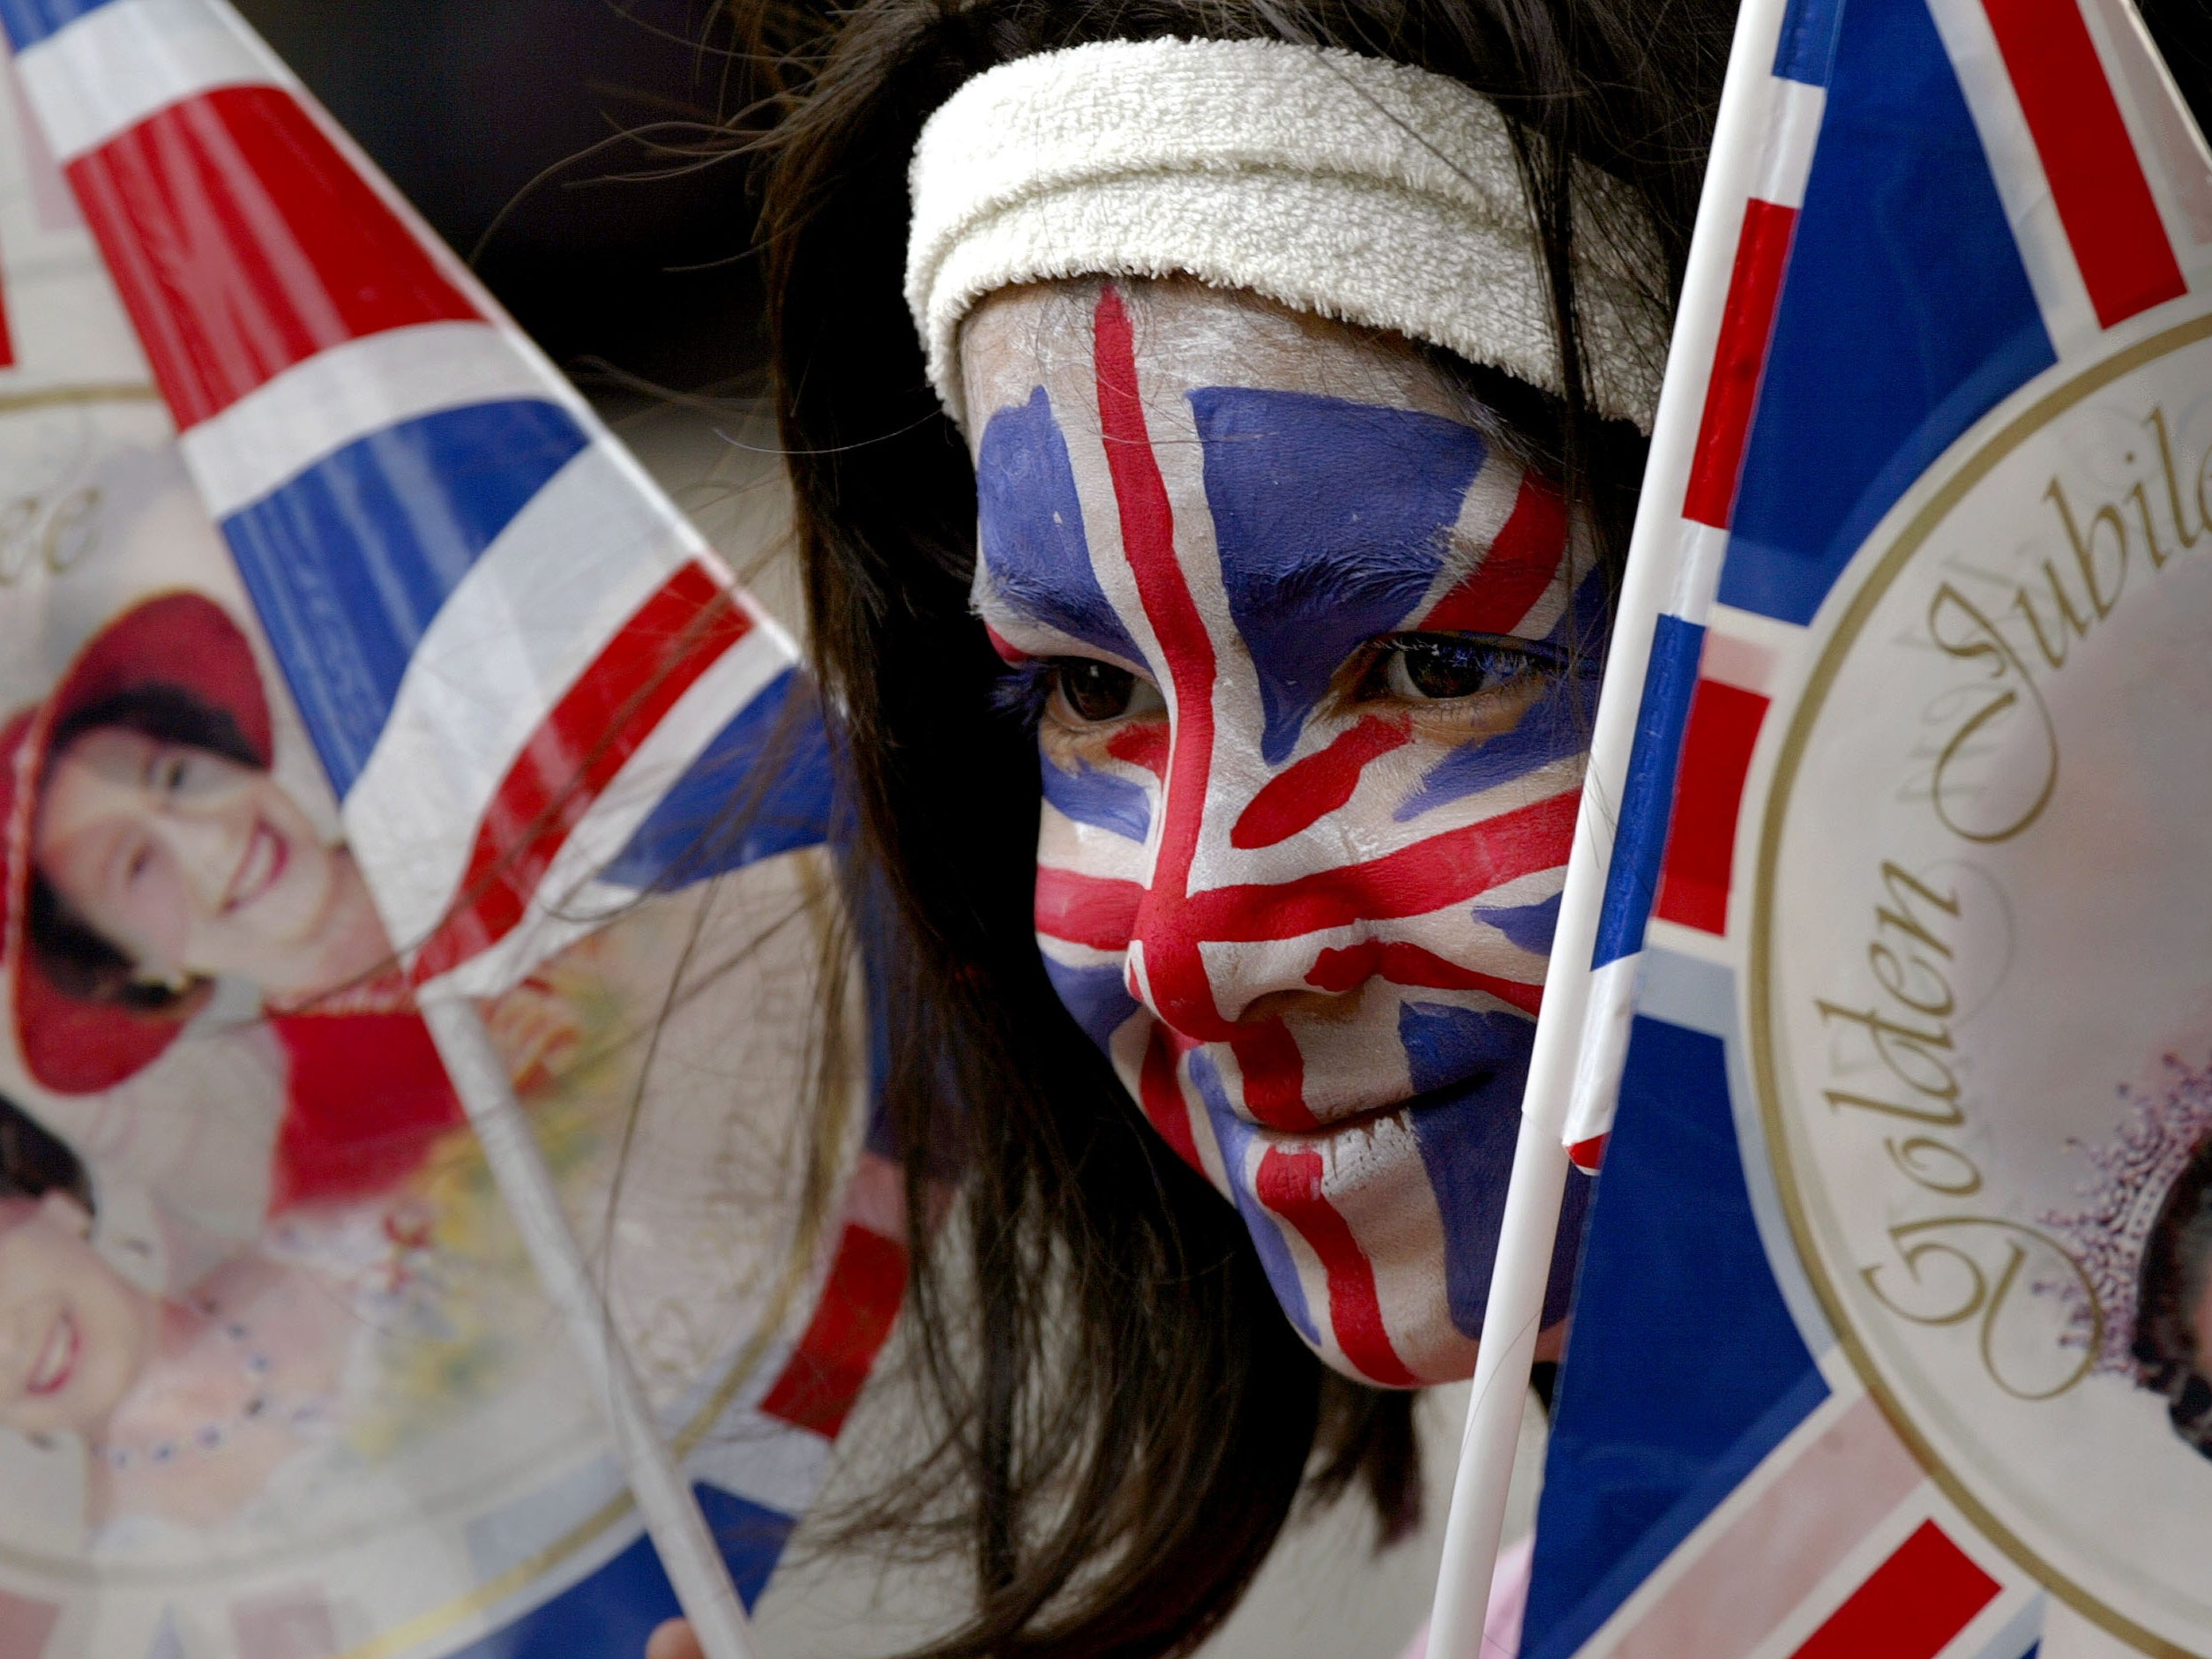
x: 1127, y: 1418
x: 34, y: 1162
x: 2177, y: 1266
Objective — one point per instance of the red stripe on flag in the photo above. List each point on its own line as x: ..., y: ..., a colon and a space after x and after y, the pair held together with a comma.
x: 822, y: 1378
x: 670, y: 641
x: 1917, y: 1601
x: 1747, y: 320
x: 1290, y: 1184
x: 2096, y: 180
x: 1709, y: 792
x: 1586, y: 1155
x: 1522, y: 563
x: 243, y: 242
x: 7, y: 339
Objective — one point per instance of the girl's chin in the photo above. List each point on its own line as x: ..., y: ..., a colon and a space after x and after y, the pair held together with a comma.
x: 1433, y: 1350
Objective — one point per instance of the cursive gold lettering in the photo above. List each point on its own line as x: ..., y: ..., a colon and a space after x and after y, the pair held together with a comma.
x: 1979, y: 1293
x: 1941, y: 1117
x: 1896, y: 1046
x: 1915, y: 1154
x: 1901, y: 887
x: 2072, y: 624
x: 2106, y: 517
x: 2156, y: 422
x: 1983, y: 641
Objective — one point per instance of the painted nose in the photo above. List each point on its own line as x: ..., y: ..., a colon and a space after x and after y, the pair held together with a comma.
x: 1212, y: 939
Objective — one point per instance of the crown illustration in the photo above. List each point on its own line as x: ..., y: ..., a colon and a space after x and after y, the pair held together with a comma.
x: 2135, y: 1172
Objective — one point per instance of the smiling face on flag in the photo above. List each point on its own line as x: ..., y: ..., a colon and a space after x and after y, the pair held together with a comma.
x: 1312, y: 657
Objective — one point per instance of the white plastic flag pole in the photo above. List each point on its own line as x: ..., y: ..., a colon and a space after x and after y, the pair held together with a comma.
x: 672, y: 1519
x: 1514, y: 1311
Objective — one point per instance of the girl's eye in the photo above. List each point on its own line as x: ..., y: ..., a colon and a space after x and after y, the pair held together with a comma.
x: 1435, y: 667
x: 1090, y: 693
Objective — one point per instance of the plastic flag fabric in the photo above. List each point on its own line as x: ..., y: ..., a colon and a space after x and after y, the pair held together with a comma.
x: 508, y: 650
x: 392, y: 679
x: 1887, y: 1334
x: 1690, y: 544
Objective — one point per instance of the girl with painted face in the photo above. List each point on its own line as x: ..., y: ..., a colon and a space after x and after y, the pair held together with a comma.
x: 1213, y: 430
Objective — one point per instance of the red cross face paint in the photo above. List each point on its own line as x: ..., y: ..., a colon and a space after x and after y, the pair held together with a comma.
x: 1312, y: 659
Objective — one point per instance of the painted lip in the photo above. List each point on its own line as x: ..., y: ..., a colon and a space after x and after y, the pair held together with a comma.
x: 58, y: 1359
x: 259, y: 867
x: 1442, y: 1097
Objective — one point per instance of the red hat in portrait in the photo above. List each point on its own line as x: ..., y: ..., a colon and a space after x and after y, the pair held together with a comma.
x: 72, y: 1043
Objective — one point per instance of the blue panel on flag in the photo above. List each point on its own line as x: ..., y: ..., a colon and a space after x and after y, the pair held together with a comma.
x: 1806, y: 51
x: 30, y: 21
x: 1684, y: 1368
x: 1905, y: 315
x: 349, y: 561
x: 614, y: 1610
x: 750, y: 1538
x: 1631, y: 880
x: 762, y: 787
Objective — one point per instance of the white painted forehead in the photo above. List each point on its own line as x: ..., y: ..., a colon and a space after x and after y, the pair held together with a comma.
x: 1187, y: 335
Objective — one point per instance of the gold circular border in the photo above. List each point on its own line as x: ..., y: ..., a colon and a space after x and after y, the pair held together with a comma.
x: 1909, y: 540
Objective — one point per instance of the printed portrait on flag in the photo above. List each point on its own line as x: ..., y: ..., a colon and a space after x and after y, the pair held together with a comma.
x: 258, y: 1290
x: 1983, y: 1032
x: 1917, y: 1069
x: 273, y: 1355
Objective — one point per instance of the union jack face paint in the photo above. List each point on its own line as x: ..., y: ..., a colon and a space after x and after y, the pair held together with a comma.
x: 1312, y: 657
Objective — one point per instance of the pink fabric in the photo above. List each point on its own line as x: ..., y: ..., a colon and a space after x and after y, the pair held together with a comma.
x: 1508, y: 1601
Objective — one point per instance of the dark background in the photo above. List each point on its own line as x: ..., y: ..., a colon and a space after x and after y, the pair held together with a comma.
x: 485, y: 113
x: 466, y: 103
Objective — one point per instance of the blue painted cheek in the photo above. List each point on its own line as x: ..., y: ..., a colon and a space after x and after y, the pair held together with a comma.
x: 1556, y: 726
x: 1330, y: 518
x: 1096, y: 997
x: 1235, y: 1136
x: 1467, y: 1145
x: 1030, y: 528
x: 1100, y: 799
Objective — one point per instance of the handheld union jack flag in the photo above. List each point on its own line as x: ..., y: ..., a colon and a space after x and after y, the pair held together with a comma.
x: 528, y: 679
x: 534, y: 690
x: 1880, y: 1343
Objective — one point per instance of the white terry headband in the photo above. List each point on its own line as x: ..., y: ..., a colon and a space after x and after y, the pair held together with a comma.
x: 1360, y: 189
